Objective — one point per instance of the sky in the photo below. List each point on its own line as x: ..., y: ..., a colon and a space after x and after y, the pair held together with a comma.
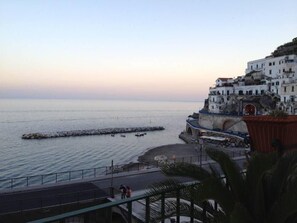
x: 134, y: 49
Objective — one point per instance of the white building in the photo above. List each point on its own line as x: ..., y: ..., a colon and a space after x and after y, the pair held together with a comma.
x: 272, y: 75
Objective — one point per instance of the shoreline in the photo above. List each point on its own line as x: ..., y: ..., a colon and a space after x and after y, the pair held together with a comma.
x: 170, y: 151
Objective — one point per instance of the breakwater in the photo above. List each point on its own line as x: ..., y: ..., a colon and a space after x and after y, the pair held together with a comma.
x: 89, y: 132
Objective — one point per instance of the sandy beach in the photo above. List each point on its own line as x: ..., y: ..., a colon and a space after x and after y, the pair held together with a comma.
x: 179, y: 151
x: 170, y: 151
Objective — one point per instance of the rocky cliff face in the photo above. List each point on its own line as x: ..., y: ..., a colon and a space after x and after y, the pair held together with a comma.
x: 286, y: 49
x: 263, y: 103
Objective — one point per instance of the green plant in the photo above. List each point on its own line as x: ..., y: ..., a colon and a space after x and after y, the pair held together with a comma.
x: 278, y: 113
x: 265, y: 193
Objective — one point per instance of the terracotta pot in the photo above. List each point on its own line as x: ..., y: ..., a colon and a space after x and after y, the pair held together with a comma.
x: 263, y: 129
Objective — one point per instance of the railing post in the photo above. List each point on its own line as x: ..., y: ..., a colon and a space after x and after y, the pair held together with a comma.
x: 129, y: 204
x: 147, y: 210
x: 178, y: 206
x: 204, y: 212
x: 192, y: 211
x: 163, y: 207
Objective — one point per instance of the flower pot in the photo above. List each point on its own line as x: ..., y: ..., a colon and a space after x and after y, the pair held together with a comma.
x: 264, y: 129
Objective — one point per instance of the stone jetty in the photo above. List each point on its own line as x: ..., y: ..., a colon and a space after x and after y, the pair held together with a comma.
x: 89, y: 132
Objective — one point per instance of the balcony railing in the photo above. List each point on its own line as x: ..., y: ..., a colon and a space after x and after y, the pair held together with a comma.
x: 145, y: 203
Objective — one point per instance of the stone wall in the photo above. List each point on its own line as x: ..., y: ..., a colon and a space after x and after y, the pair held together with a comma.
x: 222, y: 122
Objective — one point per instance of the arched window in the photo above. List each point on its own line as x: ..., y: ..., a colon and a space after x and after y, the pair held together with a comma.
x: 250, y: 109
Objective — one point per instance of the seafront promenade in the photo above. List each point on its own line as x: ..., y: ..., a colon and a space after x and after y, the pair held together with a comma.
x: 190, y: 153
x: 40, y: 201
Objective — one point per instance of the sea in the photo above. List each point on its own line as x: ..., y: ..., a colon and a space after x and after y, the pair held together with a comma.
x: 21, y: 157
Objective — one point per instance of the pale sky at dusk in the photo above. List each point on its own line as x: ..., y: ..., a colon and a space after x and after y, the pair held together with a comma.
x: 141, y: 49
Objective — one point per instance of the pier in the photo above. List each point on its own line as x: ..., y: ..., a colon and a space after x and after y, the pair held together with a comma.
x: 106, y: 131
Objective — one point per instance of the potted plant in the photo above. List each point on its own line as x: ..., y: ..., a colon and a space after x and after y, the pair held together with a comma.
x: 277, y: 130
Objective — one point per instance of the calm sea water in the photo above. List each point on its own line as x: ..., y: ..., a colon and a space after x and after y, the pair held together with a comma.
x: 29, y: 157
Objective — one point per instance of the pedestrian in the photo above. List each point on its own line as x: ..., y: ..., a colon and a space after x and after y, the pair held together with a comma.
x: 128, y: 192
x: 123, y: 191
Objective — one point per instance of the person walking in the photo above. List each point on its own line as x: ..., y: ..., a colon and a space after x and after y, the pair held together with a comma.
x: 128, y: 192
x: 123, y: 191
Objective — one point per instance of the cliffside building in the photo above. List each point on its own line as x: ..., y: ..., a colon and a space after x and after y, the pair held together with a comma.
x: 268, y: 83
x: 273, y: 77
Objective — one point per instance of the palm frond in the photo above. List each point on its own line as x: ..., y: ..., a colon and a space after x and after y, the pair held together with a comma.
x: 241, y: 214
x: 231, y: 171
x: 185, y: 170
x: 258, y: 167
x: 284, y: 176
x: 285, y: 207
x: 214, y: 189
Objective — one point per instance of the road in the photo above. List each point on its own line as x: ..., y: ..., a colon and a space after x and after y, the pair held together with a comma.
x: 73, y: 192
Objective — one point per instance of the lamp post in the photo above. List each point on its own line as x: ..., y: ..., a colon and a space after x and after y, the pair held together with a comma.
x: 111, y: 181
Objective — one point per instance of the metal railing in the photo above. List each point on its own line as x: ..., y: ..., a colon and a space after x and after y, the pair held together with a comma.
x: 20, y: 205
x: 93, y: 173
x: 52, y: 178
x: 150, y: 208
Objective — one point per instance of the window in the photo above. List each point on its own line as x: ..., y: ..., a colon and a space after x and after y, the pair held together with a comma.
x: 285, y: 89
x: 277, y: 83
x: 262, y: 92
x: 292, y: 88
x: 272, y: 83
x: 240, y: 92
x: 227, y: 92
x: 273, y: 63
x: 269, y: 64
x: 285, y: 100
x: 256, y: 92
x: 270, y: 71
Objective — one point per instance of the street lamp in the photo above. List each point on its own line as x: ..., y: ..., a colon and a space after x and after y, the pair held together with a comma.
x: 111, y: 181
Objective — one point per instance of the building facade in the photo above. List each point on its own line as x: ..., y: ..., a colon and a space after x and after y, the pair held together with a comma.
x: 273, y: 78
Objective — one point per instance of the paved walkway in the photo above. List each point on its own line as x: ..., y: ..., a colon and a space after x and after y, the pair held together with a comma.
x: 49, y: 196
